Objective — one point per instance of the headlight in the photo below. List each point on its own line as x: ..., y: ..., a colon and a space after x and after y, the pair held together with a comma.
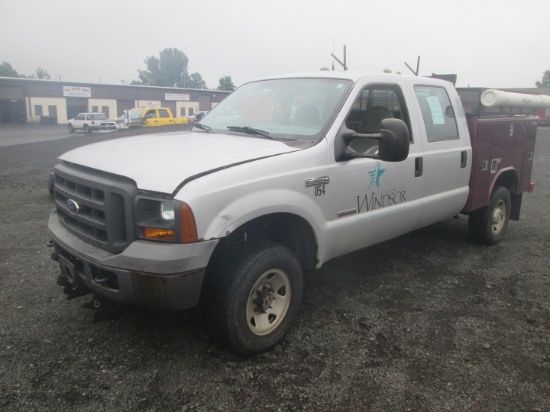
x: 167, y: 212
x: 165, y: 220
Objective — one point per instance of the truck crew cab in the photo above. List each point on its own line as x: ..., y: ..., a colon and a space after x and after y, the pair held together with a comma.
x: 152, y: 116
x: 283, y: 175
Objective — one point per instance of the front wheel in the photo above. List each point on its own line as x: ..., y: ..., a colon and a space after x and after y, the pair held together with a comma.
x: 255, y: 295
x: 488, y: 225
x: 71, y: 128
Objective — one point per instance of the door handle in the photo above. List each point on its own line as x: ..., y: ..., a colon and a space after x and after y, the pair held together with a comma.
x: 463, y: 159
x: 418, y: 167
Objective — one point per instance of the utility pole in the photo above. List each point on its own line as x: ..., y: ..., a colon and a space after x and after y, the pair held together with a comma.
x: 338, y: 60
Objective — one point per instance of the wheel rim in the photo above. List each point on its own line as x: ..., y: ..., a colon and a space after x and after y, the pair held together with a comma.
x: 499, y: 217
x: 268, y: 302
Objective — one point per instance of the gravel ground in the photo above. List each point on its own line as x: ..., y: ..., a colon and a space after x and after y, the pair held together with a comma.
x: 426, y: 322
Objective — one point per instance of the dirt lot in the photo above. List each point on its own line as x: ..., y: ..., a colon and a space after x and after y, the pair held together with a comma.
x: 427, y: 322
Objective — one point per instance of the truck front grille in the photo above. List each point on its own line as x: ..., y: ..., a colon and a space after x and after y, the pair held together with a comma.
x: 95, y: 206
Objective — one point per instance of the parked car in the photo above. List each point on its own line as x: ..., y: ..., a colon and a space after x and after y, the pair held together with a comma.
x: 86, y: 122
x: 111, y: 125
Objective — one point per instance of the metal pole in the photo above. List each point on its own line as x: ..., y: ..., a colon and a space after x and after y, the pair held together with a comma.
x: 417, y: 67
x: 345, y: 66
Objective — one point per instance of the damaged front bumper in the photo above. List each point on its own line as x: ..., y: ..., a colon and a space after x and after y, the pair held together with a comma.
x: 157, y: 275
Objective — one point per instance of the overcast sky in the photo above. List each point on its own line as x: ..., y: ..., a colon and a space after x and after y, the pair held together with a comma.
x: 487, y: 43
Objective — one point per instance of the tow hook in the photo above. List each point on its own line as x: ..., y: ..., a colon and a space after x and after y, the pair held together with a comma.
x: 69, y: 289
x: 54, y: 256
x: 104, y: 309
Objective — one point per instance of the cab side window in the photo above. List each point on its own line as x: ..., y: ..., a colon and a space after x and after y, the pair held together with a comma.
x: 163, y: 113
x: 437, y: 113
x: 373, y: 104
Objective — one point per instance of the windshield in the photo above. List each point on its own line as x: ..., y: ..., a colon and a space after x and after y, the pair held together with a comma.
x: 290, y: 109
x: 135, y: 114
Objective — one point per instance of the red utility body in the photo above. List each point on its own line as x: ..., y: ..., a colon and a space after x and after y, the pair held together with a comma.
x: 503, y: 146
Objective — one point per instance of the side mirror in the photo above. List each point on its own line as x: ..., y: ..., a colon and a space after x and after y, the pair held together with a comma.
x: 394, y: 145
x: 393, y: 142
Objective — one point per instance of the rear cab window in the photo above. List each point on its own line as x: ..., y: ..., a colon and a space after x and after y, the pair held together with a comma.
x: 163, y: 113
x: 437, y: 112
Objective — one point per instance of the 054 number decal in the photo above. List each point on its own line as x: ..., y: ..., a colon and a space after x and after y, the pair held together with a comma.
x: 319, y: 183
x: 320, y: 190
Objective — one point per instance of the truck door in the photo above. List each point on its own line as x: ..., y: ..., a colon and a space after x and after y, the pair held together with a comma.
x: 446, y: 160
x: 151, y: 118
x: 371, y: 200
x: 165, y: 118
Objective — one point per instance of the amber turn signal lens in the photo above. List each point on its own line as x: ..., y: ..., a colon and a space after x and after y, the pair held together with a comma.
x: 188, y: 227
x: 159, y: 234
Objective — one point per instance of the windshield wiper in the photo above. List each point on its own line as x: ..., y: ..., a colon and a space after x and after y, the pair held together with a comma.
x: 204, y: 127
x: 251, y: 131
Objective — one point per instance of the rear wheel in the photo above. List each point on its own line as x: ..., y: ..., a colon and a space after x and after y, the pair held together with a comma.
x: 87, y: 129
x: 255, y: 295
x: 488, y: 225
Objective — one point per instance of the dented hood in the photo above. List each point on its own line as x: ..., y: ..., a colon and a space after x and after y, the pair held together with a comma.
x: 161, y: 162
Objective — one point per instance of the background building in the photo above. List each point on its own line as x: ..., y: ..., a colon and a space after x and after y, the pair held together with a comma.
x: 48, y: 101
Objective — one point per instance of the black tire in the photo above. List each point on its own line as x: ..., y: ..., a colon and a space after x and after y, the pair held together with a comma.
x: 254, y: 296
x: 71, y: 128
x: 87, y: 129
x: 488, y: 225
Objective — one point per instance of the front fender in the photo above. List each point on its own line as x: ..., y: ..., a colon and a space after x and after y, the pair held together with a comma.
x: 257, y: 204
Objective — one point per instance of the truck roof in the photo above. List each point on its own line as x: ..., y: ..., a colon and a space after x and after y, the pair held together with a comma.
x: 355, y: 76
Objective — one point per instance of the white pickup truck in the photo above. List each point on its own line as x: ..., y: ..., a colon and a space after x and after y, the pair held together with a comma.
x: 283, y: 175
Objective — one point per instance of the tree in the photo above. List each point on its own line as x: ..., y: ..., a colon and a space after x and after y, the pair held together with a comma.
x: 6, y: 70
x: 196, y: 82
x: 168, y: 70
x: 545, y: 80
x: 390, y: 71
x: 42, y: 74
x: 226, y: 84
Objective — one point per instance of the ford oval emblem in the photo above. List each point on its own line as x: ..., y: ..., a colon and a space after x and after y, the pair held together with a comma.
x: 74, y: 207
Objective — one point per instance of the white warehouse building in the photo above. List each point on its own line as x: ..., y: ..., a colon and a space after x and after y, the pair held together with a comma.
x: 48, y: 101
